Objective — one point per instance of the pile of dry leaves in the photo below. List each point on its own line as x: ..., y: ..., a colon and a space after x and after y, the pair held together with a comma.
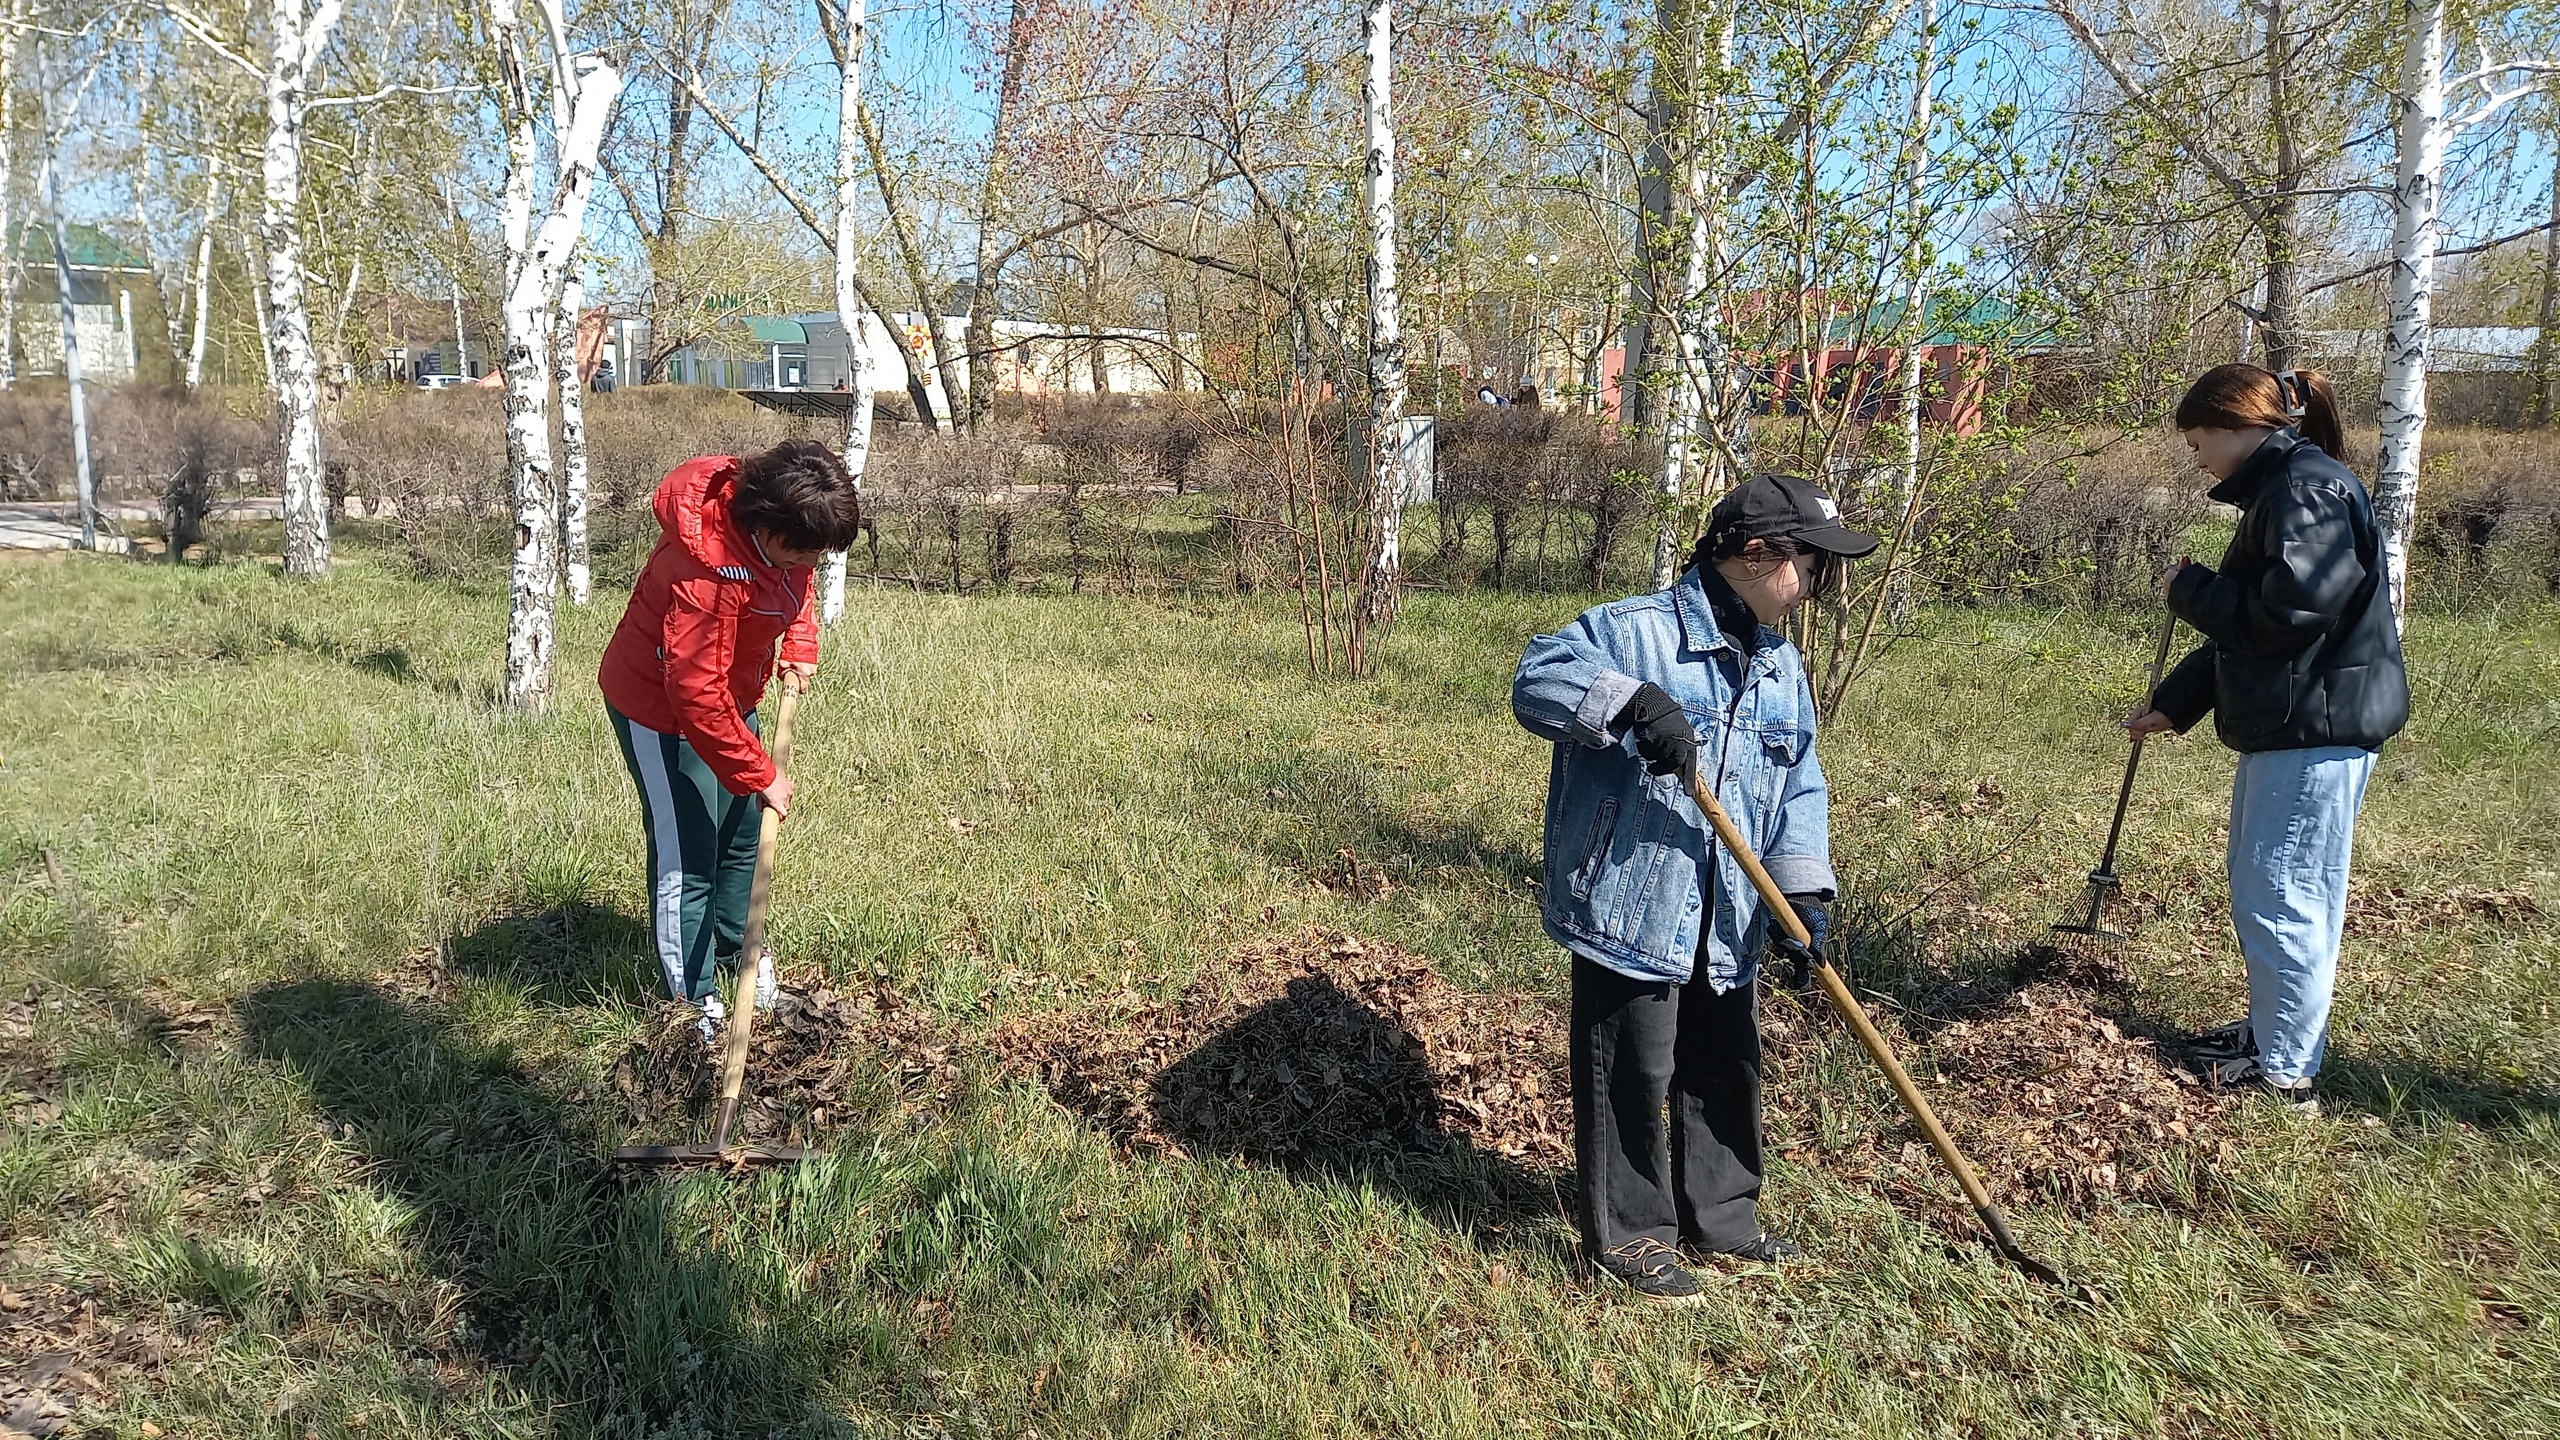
x: 2049, y: 1096
x: 821, y: 1059
x: 1311, y: 1046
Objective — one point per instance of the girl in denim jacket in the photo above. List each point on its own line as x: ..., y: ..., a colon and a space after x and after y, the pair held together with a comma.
x: 1664, y: 931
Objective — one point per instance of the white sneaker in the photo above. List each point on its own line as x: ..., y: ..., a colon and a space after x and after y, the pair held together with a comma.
x: 768, y: 989
x: 713, y: 1019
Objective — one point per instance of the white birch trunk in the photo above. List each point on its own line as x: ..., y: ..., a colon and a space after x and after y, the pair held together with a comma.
x: 537, y: 266
x: 461, y: 349
x: 1916, y: 257
x: 1699, y: 369
x: 204, y: 281
x: 1391, y: 450
x: 13, y: 267
x: 573, y: 440
x: 850, y: 310
x: 88, y: 485
x: 298, y: 40
x: 2402, y: 403
x: 265, y: 316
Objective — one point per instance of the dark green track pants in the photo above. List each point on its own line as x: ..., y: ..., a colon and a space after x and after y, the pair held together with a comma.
x: 702, y: 855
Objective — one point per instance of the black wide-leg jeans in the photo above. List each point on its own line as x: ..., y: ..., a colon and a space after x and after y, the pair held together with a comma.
x: 1666, y: 1111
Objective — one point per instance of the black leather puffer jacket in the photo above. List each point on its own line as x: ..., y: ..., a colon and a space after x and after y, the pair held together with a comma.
x: 2302, y: 648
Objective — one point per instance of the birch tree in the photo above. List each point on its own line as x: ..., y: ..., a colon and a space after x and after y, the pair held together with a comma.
x: 12, y: 266
x: 583, y: 90
x: 203, y: 287
x: 295, y: 47
x: 847, y: 30
x: 2257, y: 124
x: 51, y: 185
x: 575, y: 560
x: 2424, y: 130
x: 1917, y: 258
x: 1390, y: 448
x: 299, y: 31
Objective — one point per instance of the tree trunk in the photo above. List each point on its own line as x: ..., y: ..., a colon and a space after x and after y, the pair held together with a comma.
x: 259, y: 308
x: 2546, y: 344
x: 204, y: 279
x: 955, y: 393
x: 297, y: 42
x: 2402, y: 403
x: 1697, y: 340
x: 13, y: 267
x: 537, y: 267
x: 87, y: 481
x: 852, y: 29
x: 1672, y: 88
x: 573, y: 438
x: 1390, y: 449
x: 2282, y: 217
x: 986, y: 273
x: 1916, y: 259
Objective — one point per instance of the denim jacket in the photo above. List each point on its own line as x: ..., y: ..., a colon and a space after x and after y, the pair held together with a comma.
x: 1623, y: 848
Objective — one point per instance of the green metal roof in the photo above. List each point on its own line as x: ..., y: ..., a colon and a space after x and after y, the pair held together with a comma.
x: 90, y: 248
x: 768, y: 331
x: 1950, y: 322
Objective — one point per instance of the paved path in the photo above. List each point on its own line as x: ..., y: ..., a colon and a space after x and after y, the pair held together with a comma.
x: 55, y: 524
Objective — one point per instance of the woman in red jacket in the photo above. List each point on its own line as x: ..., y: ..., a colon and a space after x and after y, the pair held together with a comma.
x: 684, y: 671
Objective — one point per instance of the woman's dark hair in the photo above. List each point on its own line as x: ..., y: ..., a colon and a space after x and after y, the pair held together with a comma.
x: 1728, y: 543
x: 798, y: 492
x: 2245, y: 397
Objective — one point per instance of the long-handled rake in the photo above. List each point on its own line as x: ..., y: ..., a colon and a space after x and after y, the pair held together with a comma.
x: 742, y: 1005
x: 1784, y: 915
x: 2103, y: 883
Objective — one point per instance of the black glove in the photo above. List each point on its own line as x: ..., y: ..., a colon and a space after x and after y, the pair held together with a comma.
x: 1802, y: 958
x: 1664, y: 739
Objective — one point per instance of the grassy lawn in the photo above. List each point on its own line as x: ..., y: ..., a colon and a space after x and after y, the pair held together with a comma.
x: 306, y: 1054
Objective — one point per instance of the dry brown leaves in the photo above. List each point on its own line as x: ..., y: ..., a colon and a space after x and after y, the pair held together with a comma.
x: 2400, y: 911
x: 2050, y: 1096
x: 30, y: 1070
x: 822, y: 1059
x: 1315, y: 1045
x: 59, y: 1354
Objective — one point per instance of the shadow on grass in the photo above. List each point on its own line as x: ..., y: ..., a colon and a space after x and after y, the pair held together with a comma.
x: 1326, y: 1089
x: 2403, y: 1088
x: 573, y: 953
x: 579, y: 1289
x: 389, y: 662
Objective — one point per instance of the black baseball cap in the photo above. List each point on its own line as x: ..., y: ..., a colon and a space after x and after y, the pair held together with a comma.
x: 1787, y: 507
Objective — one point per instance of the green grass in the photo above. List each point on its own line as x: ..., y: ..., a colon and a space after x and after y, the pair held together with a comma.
x: 363, y: 1204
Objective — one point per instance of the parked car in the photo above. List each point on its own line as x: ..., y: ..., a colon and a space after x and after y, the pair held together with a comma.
x: 442, y: 382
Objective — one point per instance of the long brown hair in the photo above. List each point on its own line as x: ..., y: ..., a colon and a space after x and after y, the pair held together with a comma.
x: 2245, y: 397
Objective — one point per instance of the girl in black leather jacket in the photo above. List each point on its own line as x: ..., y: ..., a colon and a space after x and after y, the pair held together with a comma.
x: 2301, y: 670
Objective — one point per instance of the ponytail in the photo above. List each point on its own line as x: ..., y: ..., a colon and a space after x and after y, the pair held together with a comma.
x: 2245, y: 397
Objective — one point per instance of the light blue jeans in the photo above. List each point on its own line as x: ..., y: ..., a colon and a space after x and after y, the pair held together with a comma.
x: 2293, y: 827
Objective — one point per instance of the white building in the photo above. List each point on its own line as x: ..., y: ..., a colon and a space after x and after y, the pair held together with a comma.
x: 104, y: 276
x: 810, y: 352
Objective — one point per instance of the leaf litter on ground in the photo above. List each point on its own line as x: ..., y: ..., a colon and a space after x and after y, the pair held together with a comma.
x: 1320, y: 1044
x: 822, y: 1059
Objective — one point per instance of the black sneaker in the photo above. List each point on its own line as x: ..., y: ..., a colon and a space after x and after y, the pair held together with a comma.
x: 2231, y: 1042
x: 2244, y: 1074
x: 1764, y: 1249
x: 1653, y: 1270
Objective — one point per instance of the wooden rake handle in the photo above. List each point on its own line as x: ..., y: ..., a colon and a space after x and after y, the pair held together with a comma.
x: 1784, y: 915
x: 742, y: 997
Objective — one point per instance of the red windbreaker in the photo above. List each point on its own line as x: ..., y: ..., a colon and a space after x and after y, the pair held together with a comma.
x: 696, y: 644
